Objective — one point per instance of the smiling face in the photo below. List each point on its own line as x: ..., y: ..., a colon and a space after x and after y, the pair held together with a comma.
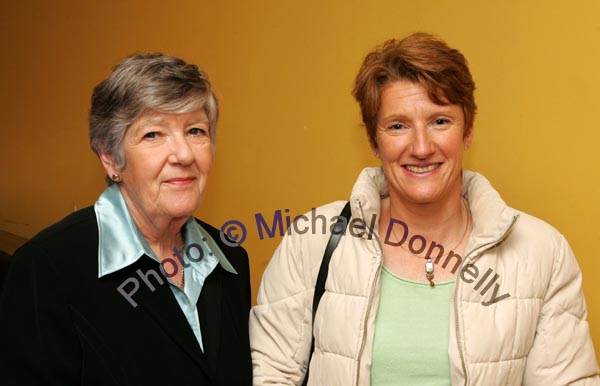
x: 420, y: 144
x: 168, y: 161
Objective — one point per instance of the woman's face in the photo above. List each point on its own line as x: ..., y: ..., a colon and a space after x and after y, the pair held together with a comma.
x: 420, y: 144
x: 168, y: 159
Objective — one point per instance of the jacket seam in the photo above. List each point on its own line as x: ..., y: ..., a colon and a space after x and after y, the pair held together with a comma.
x: 512, y: 298
x: 352, y: 295
x: 324, y: 352
x: 499, y: 361
x: 287, y: 297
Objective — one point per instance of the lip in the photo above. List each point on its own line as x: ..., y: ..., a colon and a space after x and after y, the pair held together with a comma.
x: 421, y: 174
x: 180, y: 181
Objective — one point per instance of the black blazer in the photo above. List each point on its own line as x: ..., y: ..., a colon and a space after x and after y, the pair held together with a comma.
x: 61, y: 325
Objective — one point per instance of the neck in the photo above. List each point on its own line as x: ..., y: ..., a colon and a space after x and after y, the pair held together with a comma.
x: 444, y: 222
x: 162, y: 233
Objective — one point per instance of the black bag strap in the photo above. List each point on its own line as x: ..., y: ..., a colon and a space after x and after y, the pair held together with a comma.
x: 336, y: 234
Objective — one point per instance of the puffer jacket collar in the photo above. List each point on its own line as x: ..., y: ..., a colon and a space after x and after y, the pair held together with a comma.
x: 492, y: 218
x: 370, y: 187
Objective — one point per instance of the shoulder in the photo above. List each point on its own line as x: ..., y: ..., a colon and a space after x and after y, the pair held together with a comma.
x: 304, y: 242
x: 536, y: 254
x: 531, y: 224
x: 68, y: 247
x: 525, y: 234
x: 69, y: 235
x: 72, y: 226
x: 543, y: 246
x: 332, y: 209
x: 317, y: 222
x: 535, y: 236
x: 315, y: 225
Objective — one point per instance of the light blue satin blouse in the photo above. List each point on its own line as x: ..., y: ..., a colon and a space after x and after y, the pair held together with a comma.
x: 121, y: 244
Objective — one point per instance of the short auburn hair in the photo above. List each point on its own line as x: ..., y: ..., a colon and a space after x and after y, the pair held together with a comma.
x: 421, y: 58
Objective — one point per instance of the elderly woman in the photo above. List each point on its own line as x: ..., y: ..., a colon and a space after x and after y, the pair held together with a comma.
x: 134, y: 290
x: 451, y: 286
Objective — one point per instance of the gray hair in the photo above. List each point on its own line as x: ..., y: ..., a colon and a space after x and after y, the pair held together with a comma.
x: 140, y: 84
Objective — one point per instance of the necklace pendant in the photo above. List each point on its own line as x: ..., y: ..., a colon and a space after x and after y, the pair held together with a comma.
x: 429, y: 267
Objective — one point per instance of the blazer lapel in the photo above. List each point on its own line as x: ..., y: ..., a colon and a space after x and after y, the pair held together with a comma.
x: 210, y: 315
x: 163, y: 307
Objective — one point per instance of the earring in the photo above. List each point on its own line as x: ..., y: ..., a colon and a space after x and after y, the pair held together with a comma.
x: 116, y: 177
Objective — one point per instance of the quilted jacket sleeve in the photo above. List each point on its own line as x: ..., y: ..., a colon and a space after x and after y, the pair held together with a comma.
x: 562, y: 352
x: 280, y: 323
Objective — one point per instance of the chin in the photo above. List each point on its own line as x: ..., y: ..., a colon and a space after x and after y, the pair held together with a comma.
x: 423, y: 197
x: 181, y: 211
x: 421, y: 200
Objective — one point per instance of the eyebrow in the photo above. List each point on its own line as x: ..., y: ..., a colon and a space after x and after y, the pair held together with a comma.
x: 152, y: 121
x: 444, y: 110
x: 197, y: 121
x: 162, y: 122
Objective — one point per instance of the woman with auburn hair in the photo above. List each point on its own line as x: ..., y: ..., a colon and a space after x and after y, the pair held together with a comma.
x: 451, y: 287
x: 134, y: 290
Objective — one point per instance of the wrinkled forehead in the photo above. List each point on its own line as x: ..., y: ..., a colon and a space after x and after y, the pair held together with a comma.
x: 435, y: 94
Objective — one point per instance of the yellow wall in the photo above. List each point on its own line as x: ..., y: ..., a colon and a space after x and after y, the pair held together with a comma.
x: 290, y: 133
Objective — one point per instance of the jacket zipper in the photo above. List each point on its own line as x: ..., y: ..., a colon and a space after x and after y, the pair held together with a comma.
x: 362, y: 345
x: 478, y: 251
x: 380, y: 256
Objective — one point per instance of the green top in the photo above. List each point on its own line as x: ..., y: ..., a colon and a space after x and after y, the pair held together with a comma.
x: 411, y: 333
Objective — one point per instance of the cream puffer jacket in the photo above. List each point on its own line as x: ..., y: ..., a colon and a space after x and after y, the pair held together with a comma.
x: 537, y: 335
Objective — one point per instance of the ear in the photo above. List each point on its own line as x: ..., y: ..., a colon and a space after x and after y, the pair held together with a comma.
x: 107, y: 163
x: 374, y: 149
x: 468, y: 139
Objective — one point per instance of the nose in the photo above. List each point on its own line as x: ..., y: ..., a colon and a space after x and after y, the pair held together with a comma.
x: 422, y: 145
x: 181, y: 151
